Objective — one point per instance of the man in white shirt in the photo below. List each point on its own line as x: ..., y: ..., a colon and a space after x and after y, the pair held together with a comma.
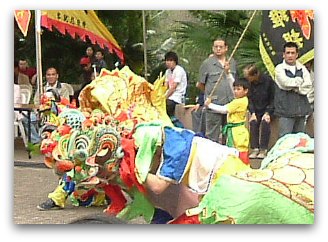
x: 176, y: 79
x: 293, y: 84
x: 52, y: 83
x: 52, y: 77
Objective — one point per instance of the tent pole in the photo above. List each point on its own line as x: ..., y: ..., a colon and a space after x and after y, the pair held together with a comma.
x: 38, y: 52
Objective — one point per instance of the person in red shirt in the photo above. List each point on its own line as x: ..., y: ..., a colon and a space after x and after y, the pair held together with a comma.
x: 90, y: 53
x: 24, y: 68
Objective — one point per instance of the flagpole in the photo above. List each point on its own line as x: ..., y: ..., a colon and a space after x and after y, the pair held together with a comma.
x: 38, y: 52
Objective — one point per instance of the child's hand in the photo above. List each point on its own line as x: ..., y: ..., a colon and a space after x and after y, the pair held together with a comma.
x: 195, y: 108
x: 207, y: 101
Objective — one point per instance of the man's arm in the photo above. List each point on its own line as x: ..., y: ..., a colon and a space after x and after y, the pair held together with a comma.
x: 284, y: 82
x: 230, y: 79
x: 200, y: 86
x: 171, y: 89
x: 306, y: 86
x: 202, y: 77
x: 33, y: 79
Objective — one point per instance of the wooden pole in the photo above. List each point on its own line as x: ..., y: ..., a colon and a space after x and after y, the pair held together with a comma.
x: 233, y: 52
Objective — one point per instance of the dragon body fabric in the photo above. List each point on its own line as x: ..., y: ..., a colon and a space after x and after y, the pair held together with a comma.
x: 121, y: 132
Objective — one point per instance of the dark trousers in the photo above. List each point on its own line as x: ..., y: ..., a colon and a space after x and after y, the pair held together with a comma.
x: 260, y: 132
x: 291, y: 125
x: 198, y: 120
x: 214, y: 123
x: 170, y: 107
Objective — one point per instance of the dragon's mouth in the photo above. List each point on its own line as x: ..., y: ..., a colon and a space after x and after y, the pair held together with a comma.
x: 103, y: 156
x: 103, y: 152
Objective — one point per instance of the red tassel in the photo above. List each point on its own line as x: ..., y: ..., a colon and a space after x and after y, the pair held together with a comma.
x: 118, y: 200
x: 244, y: 157
x: 184, y: 219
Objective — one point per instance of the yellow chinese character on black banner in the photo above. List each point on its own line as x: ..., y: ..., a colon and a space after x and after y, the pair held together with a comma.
x: 281, y: 26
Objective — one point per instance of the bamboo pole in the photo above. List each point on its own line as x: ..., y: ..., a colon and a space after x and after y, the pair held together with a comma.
x: 144, y: 43
x: 233, y: 52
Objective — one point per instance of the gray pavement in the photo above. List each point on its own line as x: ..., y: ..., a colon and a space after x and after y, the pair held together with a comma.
x: 32, y: 183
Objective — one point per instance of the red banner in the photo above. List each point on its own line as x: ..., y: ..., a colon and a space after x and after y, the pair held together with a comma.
x: 23, y: 18
x: 81, y: 23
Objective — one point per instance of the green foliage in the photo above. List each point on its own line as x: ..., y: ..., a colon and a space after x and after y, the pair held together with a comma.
x: 195, y: 39
x: 126, y: 27
x: 248, y: 51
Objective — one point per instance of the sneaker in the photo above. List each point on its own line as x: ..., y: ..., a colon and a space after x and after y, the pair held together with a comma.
x: 48, y: 205
x: 254, y: 153
x: 262, y: 154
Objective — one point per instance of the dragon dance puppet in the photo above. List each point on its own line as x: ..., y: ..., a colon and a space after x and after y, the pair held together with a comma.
x: 121, y: 144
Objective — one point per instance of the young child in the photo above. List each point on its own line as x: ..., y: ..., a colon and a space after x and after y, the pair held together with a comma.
x: 235, y: 129
x: 100, y: 62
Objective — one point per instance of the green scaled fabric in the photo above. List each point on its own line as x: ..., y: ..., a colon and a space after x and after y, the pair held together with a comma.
x: 243, y: 202
x: 287, y: 144
x: 139, y: 206
x: 147, y: 137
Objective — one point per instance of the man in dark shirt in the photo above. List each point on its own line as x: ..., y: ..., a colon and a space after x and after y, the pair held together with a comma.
x: 85, y: 64
x: 87, y: 71
x: 260, y: 97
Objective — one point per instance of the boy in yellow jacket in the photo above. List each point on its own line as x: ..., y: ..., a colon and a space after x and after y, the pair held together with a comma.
x: 235, y: 129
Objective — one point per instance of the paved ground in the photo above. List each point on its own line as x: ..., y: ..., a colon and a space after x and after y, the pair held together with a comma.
x: 33, y: 181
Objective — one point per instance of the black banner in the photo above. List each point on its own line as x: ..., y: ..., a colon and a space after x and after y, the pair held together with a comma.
x: 281, y: 26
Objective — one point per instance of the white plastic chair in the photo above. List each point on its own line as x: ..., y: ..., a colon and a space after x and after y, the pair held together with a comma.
x: 26, y: 95
x: 26, y: 86
x: 69, y: 87
x: 18, y: 124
